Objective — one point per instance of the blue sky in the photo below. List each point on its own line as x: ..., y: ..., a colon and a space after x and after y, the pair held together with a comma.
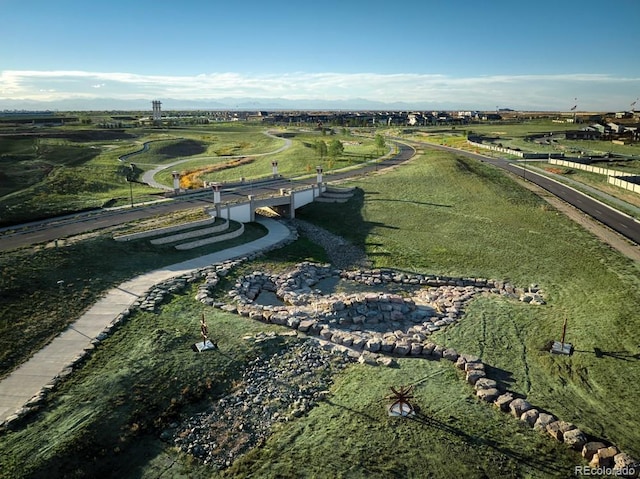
x: 467, y: 54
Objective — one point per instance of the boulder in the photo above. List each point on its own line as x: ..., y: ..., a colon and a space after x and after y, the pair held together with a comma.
x: 502, y: 402
x: 437, y: 351
x: 590, y: 448
x: 358, y: 342
x: 306, y: 325
x: 488, y: 394
x: 402, y: 349
x: 604, y: 457
x: 450, y: 354
x: 368, y: 358
x: 530, y: 417
x: 485, y: 383
x: 575, y: 439
x: 387, y: 361
x: 519, y: 406
x: 543, y: 421
x: 626, y: 465
x: 416, y: 349
x: 460, y: 362
x: 427, y: 349
x: 474, y: 375
x: 388, y: 345
x: 373, y: 345
x: 557, y: 429
x: 473, y: 366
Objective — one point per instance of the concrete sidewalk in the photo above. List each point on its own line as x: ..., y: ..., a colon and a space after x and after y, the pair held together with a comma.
x: 30, y: 377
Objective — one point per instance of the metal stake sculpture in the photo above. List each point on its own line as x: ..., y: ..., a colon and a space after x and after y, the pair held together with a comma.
x: 562, y: 347
x: 206, y: 344
x: 400, y: 405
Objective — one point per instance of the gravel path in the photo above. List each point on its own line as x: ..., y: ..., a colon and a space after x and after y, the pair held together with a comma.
x: 275, y: 389
x: 342, y: 254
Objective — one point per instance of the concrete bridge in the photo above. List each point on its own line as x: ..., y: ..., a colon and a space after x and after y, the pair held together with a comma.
x: 284, y: 204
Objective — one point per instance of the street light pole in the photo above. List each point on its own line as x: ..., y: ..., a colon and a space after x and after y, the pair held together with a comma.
x: 130, y: 180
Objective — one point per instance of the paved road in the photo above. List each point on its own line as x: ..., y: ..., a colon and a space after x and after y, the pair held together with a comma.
x: 614, y: 219
x: 56, y: 228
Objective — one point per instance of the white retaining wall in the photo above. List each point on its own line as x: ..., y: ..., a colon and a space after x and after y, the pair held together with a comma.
x: 614, y: 175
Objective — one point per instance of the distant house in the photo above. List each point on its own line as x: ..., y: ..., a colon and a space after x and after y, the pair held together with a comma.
x: 588, y: 133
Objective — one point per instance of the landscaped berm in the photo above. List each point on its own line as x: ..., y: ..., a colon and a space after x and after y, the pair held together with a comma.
x: 443, y: 279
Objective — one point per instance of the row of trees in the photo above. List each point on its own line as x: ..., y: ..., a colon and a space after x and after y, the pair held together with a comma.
x: 335, y: 148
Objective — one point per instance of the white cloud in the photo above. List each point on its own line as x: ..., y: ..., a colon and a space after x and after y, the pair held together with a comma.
x: 595, y: 91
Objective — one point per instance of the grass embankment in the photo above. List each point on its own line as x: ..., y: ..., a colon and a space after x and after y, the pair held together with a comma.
x: 444, y: 215
x: 438, y: 215
x: 43, y: 290
x: 300, y: 158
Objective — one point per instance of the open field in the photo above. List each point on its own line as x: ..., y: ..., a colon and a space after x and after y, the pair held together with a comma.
x: 71, y: 169
x: 44, y: 289
x: 439, y: 214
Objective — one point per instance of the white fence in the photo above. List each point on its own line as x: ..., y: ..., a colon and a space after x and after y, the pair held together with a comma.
x: 614, y: 176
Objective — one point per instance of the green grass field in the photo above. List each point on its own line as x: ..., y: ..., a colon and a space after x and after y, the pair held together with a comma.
x: 439, y: 214
x: 76, y: 169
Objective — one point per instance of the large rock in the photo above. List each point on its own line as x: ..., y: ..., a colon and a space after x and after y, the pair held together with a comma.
x: 543, y: 421
x: 474, y: 375
x: 306, y: 325
x: 387, y: 361
x: 530, y: 417
x: 416, y: 349
x: 437, y: 351
x: 604, y: 457
x: 450, y: 354
x: 557, y: 429
x: 427, y: 349
x: 373, y: 345
x: 402, y: 349
x: 590, y: 448
x: 485, y: 383
x: 502, y: 402
x: 575, y: 439
x: 368, y: 358
x: 624, y: 464
x: 519, y: 406
x: 488, y: 394
x: 460, y: 362
x: 473, y: 366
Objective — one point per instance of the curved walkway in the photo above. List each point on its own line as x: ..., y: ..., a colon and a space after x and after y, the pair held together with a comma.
x: 148, y: 176
x: 32, y: 376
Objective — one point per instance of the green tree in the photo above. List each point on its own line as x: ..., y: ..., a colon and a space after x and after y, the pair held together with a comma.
x: 380, y: 143
x: 321, y: 148
x: 336, y: 148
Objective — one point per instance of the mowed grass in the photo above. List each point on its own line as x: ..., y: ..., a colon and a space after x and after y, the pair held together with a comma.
x: 299, y: 159
x: 45, y: 289
x: 438, y: 214
x: 453, y: 216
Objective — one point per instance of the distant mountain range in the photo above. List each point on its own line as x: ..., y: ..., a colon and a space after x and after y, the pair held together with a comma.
x: 252, y: 104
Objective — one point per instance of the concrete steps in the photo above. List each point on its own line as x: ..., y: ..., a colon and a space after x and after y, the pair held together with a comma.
x: 334, y: 194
